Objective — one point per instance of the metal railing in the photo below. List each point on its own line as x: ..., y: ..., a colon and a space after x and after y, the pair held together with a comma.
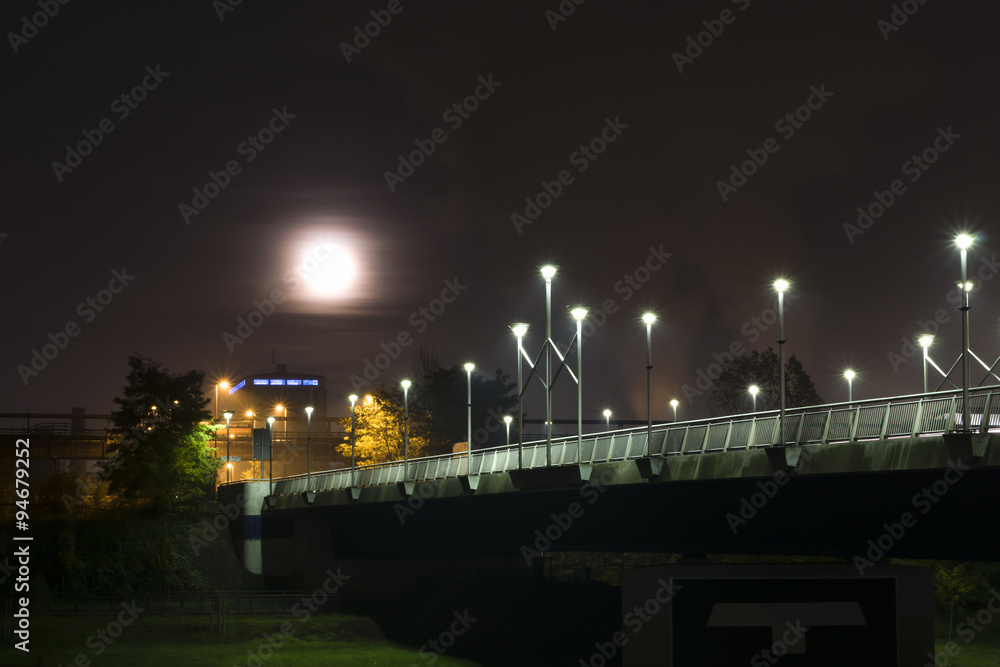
x: 875, y: 419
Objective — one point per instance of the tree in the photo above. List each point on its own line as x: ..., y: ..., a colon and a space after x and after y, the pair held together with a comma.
x: 379, y: 424
x: 161, y: 458
x: 730, y: 395
x: 439, y: 402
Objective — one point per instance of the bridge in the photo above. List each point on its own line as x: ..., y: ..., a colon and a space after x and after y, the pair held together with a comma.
x: 876, y: 479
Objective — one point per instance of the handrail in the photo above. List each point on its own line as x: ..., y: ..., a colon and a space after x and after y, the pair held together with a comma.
x: 913, y: 415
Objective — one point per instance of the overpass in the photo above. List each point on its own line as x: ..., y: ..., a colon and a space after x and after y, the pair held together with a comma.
x: 883, y: 478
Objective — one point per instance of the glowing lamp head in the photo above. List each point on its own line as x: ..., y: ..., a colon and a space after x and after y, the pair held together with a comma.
x: 648, y: 318
x: 270, y: 420
x: 507, y: 419
x: 607, y: 413
x: 468, y: 367
x: 925, y: 340
x: 229, y: 465
x: 964, y: 241
x: 548, y: 271
x: 579, y: 313
x: 519, y: 329
x: 227, y: 415
x: 249, y: 413
x: 405, y: 384
x: 674, y: 403
x: 754, y: 389
x: 279, y: 408
x: 369, y: 399
x: 309, y: 410
x: 781, y: 285
x: 849, y: 375
x: 352, y: 398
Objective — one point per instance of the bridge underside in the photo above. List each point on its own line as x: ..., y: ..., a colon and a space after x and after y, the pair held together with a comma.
x: 906, y: 498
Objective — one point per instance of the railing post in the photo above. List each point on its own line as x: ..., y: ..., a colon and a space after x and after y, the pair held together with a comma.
x: 684, y: 440
x: 885, y: 421
x: 729, y: 436
x: 802, y: 423
x: 856, y: 419
x: 950, y: 424
x: 984, y: 421
x: 752, y: 433
x: 917, y: 418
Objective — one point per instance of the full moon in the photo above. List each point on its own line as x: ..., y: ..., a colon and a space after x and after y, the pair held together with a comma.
x: 329, y: 270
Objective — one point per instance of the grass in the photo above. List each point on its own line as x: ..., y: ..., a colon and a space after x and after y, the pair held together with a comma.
x: 187, y: 641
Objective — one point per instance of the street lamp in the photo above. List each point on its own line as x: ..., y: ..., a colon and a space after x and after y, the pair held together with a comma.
x: 224, y: 385
x: 781, y: 286
x: 309, y: 414
x: 406, y: 428
x: 674, y: 403
x: 280, y: 408
x: 468, y: 375
x: 353, y: 398
x: 925, y: 342
x: 229, y: 476
x: 649, y: 318
x: 270, y: 455
x: 964, y: 242
x: 506, y: 420
x: 607, y: 420
x: 850, y: 384
x: 519, y: 330
x: 548, y: 271
x: 578, y: 314
x: 753, y: 394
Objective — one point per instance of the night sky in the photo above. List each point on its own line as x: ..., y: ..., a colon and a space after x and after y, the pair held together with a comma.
x: 640, y: 124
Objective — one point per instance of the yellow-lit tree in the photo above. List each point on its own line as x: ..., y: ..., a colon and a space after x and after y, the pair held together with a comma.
x: 379, y: 421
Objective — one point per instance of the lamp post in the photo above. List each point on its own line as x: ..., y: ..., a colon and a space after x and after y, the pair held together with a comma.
x: 270, y: 455
x: 674, y: 403
x: 607, y: 420
x: 849, y: 374
x: 578, y: 314
x: 753, y: 394
x: 964, y: 241
x: 649, y: 318
x: 781, y: 285
x: 229, y: 472
x: 468, y: 376
x: 548, y: 271
x: 925, y: 342
x: 519, y: 330
x: 506, y: 420
x: 353, y: 398
x: 406, y: 428
x: 309, y: 414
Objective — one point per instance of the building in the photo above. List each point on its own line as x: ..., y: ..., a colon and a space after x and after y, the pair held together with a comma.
x: 282, y: 395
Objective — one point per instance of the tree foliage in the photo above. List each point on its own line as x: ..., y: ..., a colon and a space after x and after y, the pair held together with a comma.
x: 440, y: 401
x: 379, y: 426
x: 730, y: 395
x: 161, y: 458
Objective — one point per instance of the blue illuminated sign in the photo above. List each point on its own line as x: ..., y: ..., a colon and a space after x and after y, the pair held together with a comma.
x: 314, y: 383
x: 236, y: 388
x: 277, y: 382
x: 260, y: 381
x: 293, y: 382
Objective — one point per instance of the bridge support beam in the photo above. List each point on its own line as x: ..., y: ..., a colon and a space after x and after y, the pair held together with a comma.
x: 966, y: 446
x: 651, y: 467
x: 783, y: 458
x: 470, y: 483
x: 353, y: 492
x: 406, y: 488
x: 551, y: 478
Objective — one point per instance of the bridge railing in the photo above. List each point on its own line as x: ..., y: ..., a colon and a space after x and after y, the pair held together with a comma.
x: 874, y: 419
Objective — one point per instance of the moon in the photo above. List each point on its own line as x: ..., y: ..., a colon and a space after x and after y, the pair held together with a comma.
x: 329, y: 270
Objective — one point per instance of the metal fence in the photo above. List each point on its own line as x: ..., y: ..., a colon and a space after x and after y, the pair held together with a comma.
x: 914, y: 416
